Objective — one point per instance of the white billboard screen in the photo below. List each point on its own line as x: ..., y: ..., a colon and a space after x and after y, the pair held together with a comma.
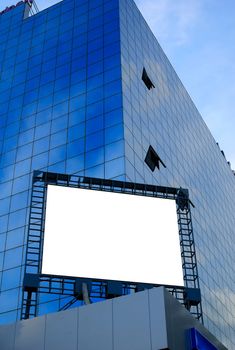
x: 105, y: 235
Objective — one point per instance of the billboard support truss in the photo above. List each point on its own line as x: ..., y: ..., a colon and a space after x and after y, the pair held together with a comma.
x: 73, y: 289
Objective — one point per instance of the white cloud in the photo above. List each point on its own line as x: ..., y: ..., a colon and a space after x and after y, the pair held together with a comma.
x: 171, y: 20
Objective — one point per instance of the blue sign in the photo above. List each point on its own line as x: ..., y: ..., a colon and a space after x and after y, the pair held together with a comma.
x: 199, y: 342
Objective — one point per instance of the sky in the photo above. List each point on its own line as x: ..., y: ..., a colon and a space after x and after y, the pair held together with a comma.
x: 198, y: 36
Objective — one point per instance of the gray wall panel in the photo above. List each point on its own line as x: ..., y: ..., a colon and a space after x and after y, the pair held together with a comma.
x: 61, y: 330
x: 7, y: 337
x: 95, y: 326
x: 131, y: 325
x: 179, y: 320
x: 148, y: 320
x: 157, y: 316
x: 30, y: 334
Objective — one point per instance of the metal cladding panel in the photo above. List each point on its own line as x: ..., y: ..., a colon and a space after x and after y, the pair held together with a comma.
x: 59, y: 328
x: 131, y: 323
x: 30, y: 334
x: 149, y: 320
x: 95, y: 326
x: 7, y: 337
x: 157, y: 318
x: 179, y: 322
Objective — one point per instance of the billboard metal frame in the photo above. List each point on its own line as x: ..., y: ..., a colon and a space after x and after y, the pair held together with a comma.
x: 80, y: 290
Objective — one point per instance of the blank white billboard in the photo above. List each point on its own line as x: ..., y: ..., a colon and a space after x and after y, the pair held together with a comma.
x: 103, y: 235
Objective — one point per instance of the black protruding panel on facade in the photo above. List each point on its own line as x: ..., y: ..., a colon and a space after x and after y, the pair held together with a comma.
x: 147, y: 80
x: 192, y: 296
x: 152, y: 159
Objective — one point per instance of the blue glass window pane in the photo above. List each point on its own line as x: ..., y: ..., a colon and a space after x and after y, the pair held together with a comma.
x: 5, y: 206
x: 10, y: 144
x: 17, y: 219
x: 49, y: 307
x: 114, y: 133
x: 58, y: 139
x: 75, y: 164
x: 48, y: 65
x: 94, y: 125
x: 31, y: 96
x: 97, y: 171
x: 25, y: 137
x: 46, y: 90
x: 45, y: 102
x: 8, y: 317
x: 95, y: 69
x: 9, y: 300
x: 112, y: 88
x: 61, y: 95
x: 59, y: 124
x: 57, y: 168
x: 11, y: 278
x: 1, y: 261
x: 57, y: 154
x: 24, y: 152
x: 94, y: 96
x: 95, y: 56
x: 3, y: 223
x: 95, y: 44
x: 40, y: 161
x: 94, y: 141
x: 27, y: 123
x: 5, y: 189
x: 2, y: 241
x: 60, y: 109
x: 95, y: 33
x: 19, y: 201
x: 12, y: 129
x: 43, y: 117
x: 15, y: 238
x: 75, y: 148
x: 13, y: 258
x: 77, y: 117
x: 41, y: 145
x: 7, y: 173
x: 110, y: 38
x: 112, y: 74
x: 95, y: 109
x: 78, y: 76
x: 95, y: 82
x: 42, y: 130
x: 114, y: 150
x: 115, y: 168
x: 79, y: 51
x: 78, y: 89
x: 94, y: 158
x: 76, y: 132
x: 113, y: 102
x: 111, y: 49
x: 21, y: 184
x: 62, y: 71
x: 77, y: 103
x: 23, y: 167
x: 8, y: 159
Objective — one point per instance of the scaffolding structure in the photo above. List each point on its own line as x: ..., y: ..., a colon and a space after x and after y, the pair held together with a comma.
x: 80, y: 290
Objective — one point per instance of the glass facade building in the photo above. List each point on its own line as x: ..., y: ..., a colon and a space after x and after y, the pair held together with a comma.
x: 72, y: 100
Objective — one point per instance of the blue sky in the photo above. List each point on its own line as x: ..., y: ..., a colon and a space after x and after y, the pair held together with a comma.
x: 198, y: 37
